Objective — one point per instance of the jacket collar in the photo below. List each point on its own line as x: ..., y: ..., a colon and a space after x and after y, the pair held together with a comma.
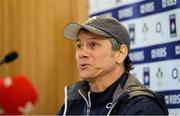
x: 128, y: 85
x: 83, y: 86
x: 72, y: 91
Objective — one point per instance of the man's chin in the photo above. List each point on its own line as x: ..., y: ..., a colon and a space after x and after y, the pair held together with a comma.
x: 86, y: 78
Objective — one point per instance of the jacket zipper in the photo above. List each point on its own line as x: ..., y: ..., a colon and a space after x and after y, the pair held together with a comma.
x: 111, y: 108
x: 88, y: 102
x: 89, y: 107
x: 118, y: 100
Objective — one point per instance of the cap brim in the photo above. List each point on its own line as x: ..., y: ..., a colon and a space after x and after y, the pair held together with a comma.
x: 71, y: 31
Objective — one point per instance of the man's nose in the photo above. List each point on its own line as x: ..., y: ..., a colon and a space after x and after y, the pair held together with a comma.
x: 83, y: 53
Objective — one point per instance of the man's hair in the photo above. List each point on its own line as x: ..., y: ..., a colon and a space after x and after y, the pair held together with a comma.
x: 115, y: 47
x: 127, y: 61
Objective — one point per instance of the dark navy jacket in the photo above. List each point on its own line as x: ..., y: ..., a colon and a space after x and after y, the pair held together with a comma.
x: 126, y: 96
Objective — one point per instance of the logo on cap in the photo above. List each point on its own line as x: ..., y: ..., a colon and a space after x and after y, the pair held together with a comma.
x: 91, y: 19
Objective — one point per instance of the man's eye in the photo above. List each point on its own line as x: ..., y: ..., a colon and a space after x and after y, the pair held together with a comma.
x: 93, y: 45
x: 78, y: 46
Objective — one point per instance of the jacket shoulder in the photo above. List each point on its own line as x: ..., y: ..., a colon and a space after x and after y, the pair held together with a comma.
x: 141, y: 98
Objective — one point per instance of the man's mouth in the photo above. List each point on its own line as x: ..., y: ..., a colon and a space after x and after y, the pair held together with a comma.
x: 83, y: 66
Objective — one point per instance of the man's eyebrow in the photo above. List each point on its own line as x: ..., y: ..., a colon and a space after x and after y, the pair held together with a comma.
x: 93, y: 38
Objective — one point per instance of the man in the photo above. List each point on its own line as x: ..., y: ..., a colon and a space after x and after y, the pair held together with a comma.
x: 107, y: 87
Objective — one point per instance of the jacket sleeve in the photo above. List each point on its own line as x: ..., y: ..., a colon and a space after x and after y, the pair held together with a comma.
x: 61, y: 111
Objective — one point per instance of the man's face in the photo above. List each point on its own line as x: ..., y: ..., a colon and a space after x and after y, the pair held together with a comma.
x: 94, y: 56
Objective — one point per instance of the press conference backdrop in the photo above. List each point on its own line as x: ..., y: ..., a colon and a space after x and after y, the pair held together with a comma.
x: 154, y: 28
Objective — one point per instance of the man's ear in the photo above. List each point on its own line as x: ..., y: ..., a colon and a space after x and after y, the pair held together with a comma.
x: 122, y: 53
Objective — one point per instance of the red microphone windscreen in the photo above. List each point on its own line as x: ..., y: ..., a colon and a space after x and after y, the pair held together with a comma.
x: 1, y: 81
x: 17, y: 95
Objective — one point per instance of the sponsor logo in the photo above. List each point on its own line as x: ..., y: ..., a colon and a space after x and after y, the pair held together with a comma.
x: 146, y: 77
x: 137, y: 56
x: 172, y: 21
x: 159, y: 75
x: 125, y: 13
x: 175, y: 74
x: 158, y: 28
x: 145, y: 30
x: 168, y: 3
x: 147, y: 7
x: 172, y: 98
x: 131, y: 29
x: 159, y: 52
x: 177, y: 50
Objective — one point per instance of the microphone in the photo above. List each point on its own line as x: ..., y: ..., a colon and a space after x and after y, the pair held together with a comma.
x: 9, y: 57
x: 17, y: 96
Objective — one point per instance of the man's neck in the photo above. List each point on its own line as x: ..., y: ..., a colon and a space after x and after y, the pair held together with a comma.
x: 100, y: 84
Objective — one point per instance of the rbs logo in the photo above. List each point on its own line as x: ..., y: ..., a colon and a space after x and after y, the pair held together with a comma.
x: 147, y: 7
x: 172, y: 99
x: 167, y: 3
